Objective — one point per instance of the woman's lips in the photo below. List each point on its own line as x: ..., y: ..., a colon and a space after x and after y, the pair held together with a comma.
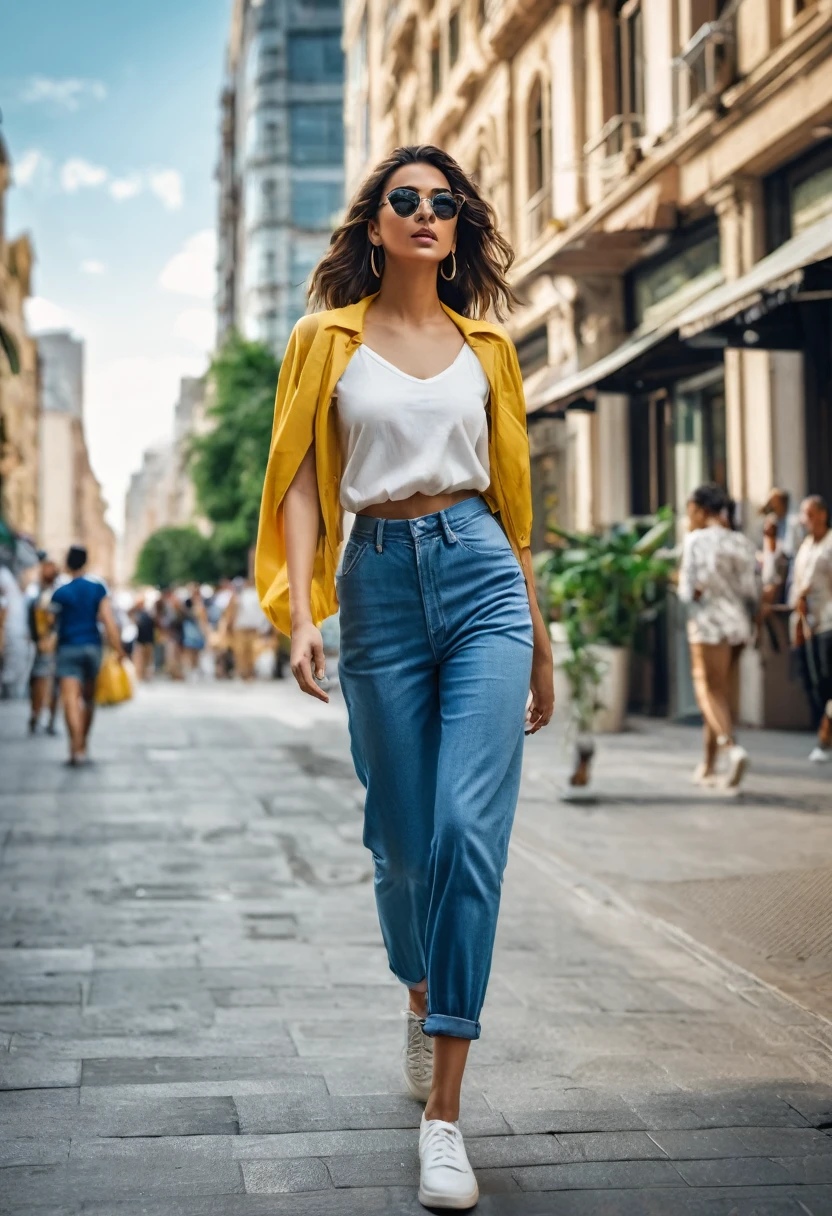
x: 427, y: 237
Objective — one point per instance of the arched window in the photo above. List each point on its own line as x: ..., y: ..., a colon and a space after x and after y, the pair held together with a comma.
x: 536, y: 139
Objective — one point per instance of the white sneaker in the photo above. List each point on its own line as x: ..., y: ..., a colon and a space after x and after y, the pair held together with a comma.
x: 701, y: 775
x: 446, y: 1180
x: 820, y: 755
x: 417, y: 1057
x: 737, y: 764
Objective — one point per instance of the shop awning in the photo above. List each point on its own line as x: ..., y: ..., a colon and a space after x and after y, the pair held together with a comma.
x: 772, y: 281
x: 648, y: 359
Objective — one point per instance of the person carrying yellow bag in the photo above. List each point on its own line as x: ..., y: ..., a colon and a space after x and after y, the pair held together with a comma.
x: 112, y: 686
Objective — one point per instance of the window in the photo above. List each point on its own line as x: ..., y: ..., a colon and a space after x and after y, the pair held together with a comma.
x: 536, y: 144
x: 453, y: 38
x: 533, y: 351
x: 629, y: 61
x: 268, y: 267
x: 269, y: 62
x: 268, y: 202
x: 435, y: 69
x: 679, y: 275
x: 270, y: 138
x: 315, y: 203
x: 481, y: 13
x: 316, y: 58
x: 317, y: 134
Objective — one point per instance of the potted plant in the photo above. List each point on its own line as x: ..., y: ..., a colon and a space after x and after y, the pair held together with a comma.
x: 596, y: 590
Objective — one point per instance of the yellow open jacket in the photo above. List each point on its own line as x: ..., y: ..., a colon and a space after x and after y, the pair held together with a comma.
x: 319, y: 350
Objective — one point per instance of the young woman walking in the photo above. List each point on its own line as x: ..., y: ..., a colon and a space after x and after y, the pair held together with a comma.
x: 401, y: 404
x: 719, y: 580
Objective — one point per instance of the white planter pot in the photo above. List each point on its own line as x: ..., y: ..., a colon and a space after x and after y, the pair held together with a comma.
x: 612, y: 691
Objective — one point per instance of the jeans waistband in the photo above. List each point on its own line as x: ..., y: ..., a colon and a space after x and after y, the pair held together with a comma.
x: 439, y: 522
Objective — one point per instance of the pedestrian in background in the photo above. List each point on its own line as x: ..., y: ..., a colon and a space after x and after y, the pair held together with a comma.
x: 441, y: 634
x: 169, y: 623
x: 79, y: 605
x: 811, y: 620
x: 194, y: 630
x: 245, y: 621
x: 143, y: 656
x: 718, y: 579
x: 789, y: 529
x: 43, y: 686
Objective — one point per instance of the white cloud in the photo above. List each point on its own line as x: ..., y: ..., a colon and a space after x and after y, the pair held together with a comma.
x: 69, y: 93
x: 197, y: 325
x: 27, y: 166
x: 122, y: 188
x: 78, y: 174
x: 191, y: 272
x: 166, y: 184
x: 93, y: 267
x: 42, y: 315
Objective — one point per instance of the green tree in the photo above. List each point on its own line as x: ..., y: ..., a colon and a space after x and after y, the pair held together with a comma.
x: 229, y: 462
x: 173, y: 556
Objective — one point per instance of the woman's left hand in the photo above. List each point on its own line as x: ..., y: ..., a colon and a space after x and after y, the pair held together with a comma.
x: 542, y: 689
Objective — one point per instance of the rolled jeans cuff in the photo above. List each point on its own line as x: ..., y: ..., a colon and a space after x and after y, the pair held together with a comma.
x: 457, y: 1028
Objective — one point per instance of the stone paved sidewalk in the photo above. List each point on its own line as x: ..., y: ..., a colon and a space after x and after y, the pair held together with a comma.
x: 196, y: 1017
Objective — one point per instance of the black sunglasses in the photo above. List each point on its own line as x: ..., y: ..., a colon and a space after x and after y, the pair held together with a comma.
x: 405, y: 202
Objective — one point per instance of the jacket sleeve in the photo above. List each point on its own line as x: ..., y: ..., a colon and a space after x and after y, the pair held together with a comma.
x: 518, y: 476
x: 688, y: 571
x: 292, y: 435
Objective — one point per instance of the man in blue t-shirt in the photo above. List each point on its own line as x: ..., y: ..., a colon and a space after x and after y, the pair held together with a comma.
x: 79, y: 606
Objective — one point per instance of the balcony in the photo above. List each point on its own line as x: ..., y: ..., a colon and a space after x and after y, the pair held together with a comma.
x: 507, y: 23
x: 399, y: 28
x: 615, y: 151
x: 537, y: 215
x: 705, y: 67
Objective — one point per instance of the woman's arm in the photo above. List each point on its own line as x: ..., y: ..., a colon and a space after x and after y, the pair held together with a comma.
x: 543, y: 676
x: 301, y: 523
x: 686, y: 587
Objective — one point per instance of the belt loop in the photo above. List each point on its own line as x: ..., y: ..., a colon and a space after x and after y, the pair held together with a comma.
x: 446, y: 528
x: 379, y: 535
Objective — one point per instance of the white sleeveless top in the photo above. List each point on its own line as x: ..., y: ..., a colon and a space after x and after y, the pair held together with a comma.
x: 401, y: 435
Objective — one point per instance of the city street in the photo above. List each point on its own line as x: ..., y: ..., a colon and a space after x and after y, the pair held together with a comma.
x: 196, y: 1016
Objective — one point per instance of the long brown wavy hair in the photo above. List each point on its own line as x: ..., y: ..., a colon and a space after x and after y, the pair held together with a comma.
x: 483, y: 256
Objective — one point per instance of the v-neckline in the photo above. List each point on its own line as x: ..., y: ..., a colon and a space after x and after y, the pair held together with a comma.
x: 416, y: 379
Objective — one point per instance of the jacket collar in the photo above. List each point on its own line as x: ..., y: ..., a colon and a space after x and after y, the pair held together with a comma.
x: 351, y: 319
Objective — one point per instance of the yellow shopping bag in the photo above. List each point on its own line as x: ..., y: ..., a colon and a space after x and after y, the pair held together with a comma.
x: 113, y: 684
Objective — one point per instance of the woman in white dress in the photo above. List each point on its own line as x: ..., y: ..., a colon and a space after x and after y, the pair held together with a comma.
x: 720, y: 582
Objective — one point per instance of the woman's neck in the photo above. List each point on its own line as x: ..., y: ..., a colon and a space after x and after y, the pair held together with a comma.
x: 408, y: 293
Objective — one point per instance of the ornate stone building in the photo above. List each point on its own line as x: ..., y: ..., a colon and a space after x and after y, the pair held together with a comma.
x: 19, y: 440
x: 664, y: 171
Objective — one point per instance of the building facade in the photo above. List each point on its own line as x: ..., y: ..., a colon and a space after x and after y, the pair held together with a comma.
x: 72, y: 507
x: 664, y: 171
x: 19, y: 400
x: 161, y: 493
x: 280, y: 170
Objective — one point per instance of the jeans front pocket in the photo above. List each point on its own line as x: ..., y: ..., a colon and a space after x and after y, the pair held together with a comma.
x: 482, y: 535
x: 354, y: 550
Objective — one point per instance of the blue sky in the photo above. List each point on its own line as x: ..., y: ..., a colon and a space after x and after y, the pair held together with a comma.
x: 110, y: 116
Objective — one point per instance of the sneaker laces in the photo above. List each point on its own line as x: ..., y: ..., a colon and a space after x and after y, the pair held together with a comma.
x: 444, y: 1143
x: 419, y: 1050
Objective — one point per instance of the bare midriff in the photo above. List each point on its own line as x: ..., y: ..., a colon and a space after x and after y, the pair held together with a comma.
x: 417, y: 504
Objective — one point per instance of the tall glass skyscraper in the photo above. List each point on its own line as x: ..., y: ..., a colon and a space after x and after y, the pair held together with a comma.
x: 281, y: 162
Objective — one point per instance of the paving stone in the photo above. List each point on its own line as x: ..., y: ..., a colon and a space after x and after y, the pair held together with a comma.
x: 701, y: 1144
x: 785, y: 1141
x: 606, y: 1175
x: 372, y: 1202
x: 95, y: 1181
x: 33, y: 1151
x: 376, y: 1169
x: 278, y: 1177
x: 807, y: 1170
x: 61, y: 990
x: 324, y: 1144
x: 578, y: 1120
x: 160, y: 1069
x: 18, y: 1072
x: 737, y: 1171
x: 105, y: 1115
x: 609, y: 1146
x: 738, y: 1201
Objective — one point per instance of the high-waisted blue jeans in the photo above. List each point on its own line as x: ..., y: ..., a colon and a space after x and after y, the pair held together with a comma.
x: 436, y: 652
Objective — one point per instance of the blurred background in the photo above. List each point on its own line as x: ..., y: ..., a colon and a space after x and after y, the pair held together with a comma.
x: 663, y: 169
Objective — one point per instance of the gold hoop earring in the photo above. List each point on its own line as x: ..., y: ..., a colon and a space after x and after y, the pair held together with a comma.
x: 373, y: 262
x: 452, y: 275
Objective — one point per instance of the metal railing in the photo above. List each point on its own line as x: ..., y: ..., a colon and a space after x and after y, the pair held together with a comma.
x: 613, y: 150
x: 705, y: 66
x: 537, y: 213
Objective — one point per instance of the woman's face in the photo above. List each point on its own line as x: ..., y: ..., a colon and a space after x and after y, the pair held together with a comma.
x: 420, y: 237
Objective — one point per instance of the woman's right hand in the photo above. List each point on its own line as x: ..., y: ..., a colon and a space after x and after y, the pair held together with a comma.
x: 307, y: 659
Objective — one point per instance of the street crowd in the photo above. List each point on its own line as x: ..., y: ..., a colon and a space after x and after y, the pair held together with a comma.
x: 54, y: 619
